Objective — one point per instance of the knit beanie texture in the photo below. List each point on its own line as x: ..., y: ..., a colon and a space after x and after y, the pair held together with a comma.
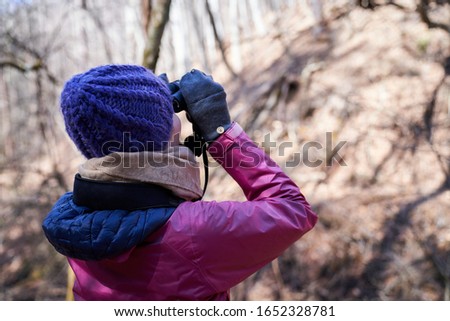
x: 117, y: 108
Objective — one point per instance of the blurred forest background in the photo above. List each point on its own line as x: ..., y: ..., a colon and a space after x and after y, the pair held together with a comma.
x: 375, y: 74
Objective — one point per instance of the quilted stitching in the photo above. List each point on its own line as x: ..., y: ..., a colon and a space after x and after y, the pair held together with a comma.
x: 81, y: 233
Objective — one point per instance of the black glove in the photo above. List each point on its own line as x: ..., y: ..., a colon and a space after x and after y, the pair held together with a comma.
x: 177, y: 97
x: 164, y: 78
x: 206, y: 104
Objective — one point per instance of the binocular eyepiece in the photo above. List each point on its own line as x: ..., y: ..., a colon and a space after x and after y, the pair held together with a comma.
x: 178, y: 102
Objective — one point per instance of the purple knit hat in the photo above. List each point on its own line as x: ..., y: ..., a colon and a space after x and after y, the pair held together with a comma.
x: 117, y: 108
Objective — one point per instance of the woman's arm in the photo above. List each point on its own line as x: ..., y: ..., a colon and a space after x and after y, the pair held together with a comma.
x: 232, y: 240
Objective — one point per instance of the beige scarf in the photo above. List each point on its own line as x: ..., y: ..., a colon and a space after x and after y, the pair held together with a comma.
x: 174, y: 168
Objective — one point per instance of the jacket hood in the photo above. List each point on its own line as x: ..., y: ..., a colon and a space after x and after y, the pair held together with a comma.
x: 85, y: 234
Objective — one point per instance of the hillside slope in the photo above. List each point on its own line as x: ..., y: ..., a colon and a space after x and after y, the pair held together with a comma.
x: 377, y: 84
x: 375, y: 88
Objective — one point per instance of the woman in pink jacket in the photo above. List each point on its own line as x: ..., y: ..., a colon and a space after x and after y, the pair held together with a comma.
x: 134, y: 228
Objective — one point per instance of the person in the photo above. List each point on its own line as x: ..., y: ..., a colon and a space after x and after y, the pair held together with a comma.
x: 135, y: 227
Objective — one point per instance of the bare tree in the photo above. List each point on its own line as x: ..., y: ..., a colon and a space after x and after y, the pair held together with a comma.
x: 155, y: 20
x: 101, y: 28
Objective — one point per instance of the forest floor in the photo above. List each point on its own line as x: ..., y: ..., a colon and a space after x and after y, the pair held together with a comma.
x: 378, y: 83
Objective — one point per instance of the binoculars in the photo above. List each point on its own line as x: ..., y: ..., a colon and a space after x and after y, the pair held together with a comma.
x: 194, y: 142
x: 178, y: 102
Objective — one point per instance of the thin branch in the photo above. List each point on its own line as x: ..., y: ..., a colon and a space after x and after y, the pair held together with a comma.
x: 24, y: 68
x: 99, y: 24
x: 50, y: 47
x: 422, y: 9
x: 38, y: 58
x: 428, y: 124
x: 395, y: 4
x: 13, y: 64
x: 20, y: 66
x: 22, y: 45
x: 218, y: 40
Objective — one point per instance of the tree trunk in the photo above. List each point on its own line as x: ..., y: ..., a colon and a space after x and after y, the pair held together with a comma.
x: 8, y: 142
x: 158, y: 18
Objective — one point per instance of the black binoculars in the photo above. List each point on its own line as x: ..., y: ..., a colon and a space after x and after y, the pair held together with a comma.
x: 195, y: 142
x: 178, y: 102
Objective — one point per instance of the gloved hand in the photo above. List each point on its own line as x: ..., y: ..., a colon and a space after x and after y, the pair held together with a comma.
x: 206, y: 104
x: 164, y: 78
x: 174, y: 87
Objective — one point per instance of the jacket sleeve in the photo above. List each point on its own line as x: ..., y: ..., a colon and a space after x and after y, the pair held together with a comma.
x: 232, y: 240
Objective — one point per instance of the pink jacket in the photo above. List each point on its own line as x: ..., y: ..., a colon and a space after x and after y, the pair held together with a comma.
x: 205, y: 248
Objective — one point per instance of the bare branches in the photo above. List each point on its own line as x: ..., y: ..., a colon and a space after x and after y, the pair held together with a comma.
x: 100, y: 26
x: 38, y: 58
x: 422, y: 9
x: 24, y: 68
x: 395, y: 4
x: 218, y: 40
x: 23, y: 46
x: 438, y: 255
x: 14, y: 64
